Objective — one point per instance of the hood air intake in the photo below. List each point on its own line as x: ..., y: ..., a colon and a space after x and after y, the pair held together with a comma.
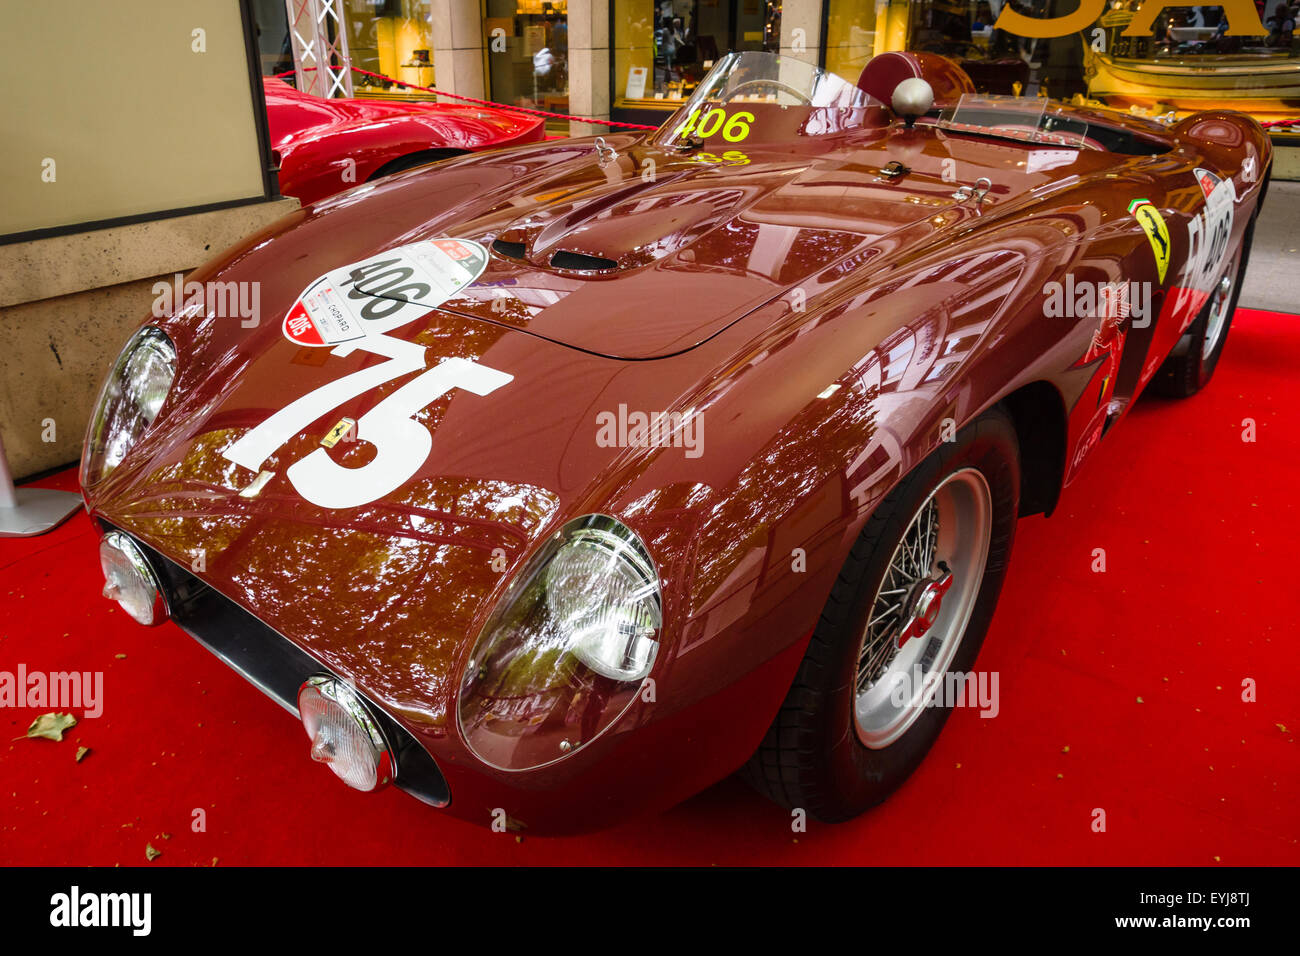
x: 582, y: 262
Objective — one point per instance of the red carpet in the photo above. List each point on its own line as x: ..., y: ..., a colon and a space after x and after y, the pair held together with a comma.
x: 1137, y: 671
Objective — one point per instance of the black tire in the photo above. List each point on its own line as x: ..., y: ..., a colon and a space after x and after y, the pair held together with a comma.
x: 811, y: 757
x: 1187, y: 370
x: 413, y: 160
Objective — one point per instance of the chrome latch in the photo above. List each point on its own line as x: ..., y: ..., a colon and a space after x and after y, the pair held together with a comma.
x: 976, y: 192
x: 894, y: 169
x: 604, y: 152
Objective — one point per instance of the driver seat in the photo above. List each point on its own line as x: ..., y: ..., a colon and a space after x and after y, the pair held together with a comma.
x: 884, y: 72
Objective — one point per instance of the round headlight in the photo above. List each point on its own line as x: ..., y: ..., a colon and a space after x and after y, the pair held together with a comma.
x: 601, y: 589
x: 129, y: 580
x: 344, y: 735
x: 129, y: 402
x: 566, y: 650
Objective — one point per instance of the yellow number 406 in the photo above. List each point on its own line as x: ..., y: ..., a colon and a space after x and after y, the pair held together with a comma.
x: 734, y: 128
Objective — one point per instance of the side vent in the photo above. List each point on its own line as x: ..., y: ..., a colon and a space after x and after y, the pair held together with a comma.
x: 511, y: 250
x: 582, y: 262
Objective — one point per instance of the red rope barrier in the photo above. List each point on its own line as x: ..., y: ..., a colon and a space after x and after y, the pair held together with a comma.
x: 470, y: 99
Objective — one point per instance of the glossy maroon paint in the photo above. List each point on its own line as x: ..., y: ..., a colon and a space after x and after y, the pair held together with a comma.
x: 315, y: 138
x: 919, y: 307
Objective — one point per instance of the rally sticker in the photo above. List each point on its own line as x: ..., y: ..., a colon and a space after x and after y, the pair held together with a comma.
x: 1207, y: 180
x: 1153, y: 224
x: 379, y: 294
x: 1209, y: 234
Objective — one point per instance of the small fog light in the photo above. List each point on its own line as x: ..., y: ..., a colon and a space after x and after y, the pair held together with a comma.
x: 343, y: 734
x: 129, y: 580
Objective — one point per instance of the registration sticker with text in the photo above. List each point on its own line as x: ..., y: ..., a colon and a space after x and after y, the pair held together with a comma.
x: 383, y: 292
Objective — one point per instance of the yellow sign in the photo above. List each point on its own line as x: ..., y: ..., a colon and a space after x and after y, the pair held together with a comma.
x: 1153, y: 224
x: 1242, y: 17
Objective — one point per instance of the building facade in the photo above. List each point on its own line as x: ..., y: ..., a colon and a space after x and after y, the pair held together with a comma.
x: 637, y: 60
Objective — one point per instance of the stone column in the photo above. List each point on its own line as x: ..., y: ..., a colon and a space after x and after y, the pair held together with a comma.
x: 457, y: 27
x: 801, y: 29
x: 588, y: 64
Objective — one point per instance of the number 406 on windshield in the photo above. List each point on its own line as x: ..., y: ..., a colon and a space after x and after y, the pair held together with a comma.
x: 734, y: 128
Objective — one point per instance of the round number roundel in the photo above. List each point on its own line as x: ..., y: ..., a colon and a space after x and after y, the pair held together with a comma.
x: 383, y: 292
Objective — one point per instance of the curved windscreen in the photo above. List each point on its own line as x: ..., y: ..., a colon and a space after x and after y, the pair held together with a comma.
x: 1028, y: 119
x: 762, y: 97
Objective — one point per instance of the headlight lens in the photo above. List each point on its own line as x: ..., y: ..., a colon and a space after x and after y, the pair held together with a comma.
x: 565, y: 652
x: 129, y: 402
x: 129, y: 580
x: 344, y: 736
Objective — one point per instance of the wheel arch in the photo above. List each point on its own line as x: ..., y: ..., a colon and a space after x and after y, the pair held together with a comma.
x: 1038, y: 413
x: 413, y: 159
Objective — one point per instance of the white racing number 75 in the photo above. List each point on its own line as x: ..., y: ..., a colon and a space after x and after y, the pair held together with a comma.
x: 401, y: 444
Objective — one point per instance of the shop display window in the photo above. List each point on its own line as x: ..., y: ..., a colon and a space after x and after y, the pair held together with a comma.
x: 663, y: 48
x: 528, y: 53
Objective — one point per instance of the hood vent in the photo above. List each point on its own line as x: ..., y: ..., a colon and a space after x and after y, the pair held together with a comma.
x: 582, y: 262
x: 511, y: 250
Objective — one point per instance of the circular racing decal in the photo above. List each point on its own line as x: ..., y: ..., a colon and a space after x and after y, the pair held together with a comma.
x: 379, y: 294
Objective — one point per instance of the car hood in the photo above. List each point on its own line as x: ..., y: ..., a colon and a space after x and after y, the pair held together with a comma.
x: 391, y: 592
x: 642, y: 257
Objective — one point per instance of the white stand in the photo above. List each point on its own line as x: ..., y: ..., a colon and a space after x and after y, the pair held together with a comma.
x: 29, y: 511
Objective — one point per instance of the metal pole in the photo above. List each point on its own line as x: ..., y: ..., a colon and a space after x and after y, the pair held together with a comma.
x: 8, y: 497
x: 30, y: 511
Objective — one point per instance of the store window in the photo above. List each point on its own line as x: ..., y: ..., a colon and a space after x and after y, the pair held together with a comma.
x: 1196, y: 63
x: 1186, y: 63
x: 962, y: 31
x: 996, y: 61
x: 528, y: 54
x: 663, y: 48
x: 393, y: 38
x: 852, y: 37
x: 271, y: 20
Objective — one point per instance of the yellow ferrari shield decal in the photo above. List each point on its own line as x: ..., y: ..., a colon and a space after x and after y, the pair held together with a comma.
x: 1153, y: 224
x: 338, y: 432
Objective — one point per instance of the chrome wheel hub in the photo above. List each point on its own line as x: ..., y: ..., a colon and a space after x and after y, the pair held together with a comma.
x: 921, y: 608
x: 1220, y: 300
x: 926, y: 602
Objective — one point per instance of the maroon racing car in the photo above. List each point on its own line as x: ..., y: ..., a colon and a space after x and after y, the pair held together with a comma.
x: 323, y: 146
x: 556, y: 484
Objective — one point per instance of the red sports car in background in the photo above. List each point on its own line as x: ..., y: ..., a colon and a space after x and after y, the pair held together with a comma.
x: 325, y: 146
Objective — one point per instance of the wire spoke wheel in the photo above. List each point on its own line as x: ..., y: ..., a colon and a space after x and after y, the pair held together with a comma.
x: 922, y: 607
x: 1220, y: 308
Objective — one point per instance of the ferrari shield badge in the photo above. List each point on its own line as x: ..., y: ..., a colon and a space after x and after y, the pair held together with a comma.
x: 338, y: 432
x: 1153, y: 224
x: 383, y: 292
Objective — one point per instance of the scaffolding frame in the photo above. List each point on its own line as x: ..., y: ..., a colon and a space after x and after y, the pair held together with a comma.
x: 316, y: 45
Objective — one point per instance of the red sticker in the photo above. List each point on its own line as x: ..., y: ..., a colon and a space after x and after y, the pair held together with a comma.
x: 457, y: 250
x: 1207, y: 179
x: 298, y: 327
